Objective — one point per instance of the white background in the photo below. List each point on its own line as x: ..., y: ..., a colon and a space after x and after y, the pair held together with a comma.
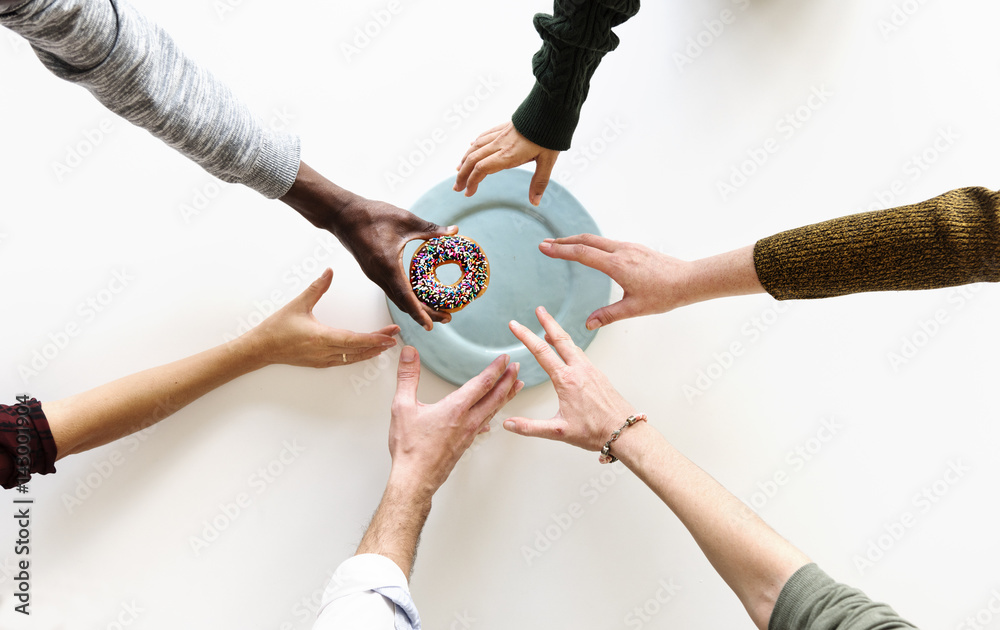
x: 129, y: 541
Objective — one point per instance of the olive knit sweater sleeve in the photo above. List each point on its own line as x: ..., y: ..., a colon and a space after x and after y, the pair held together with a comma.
x: 950, y: 240
x: 575, y: 39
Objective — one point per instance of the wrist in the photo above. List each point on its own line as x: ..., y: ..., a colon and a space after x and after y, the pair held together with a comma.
x: 633, y: 442
x: 318, y: 200
x: 249, y: 351
x: 724, y: 275
x: 694, y: 282
x: 416, y: 488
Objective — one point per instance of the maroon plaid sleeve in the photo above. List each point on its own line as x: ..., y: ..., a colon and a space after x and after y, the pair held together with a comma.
x: 26, y: 443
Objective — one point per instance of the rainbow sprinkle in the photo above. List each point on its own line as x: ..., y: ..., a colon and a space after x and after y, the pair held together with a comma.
x: 442, y: 250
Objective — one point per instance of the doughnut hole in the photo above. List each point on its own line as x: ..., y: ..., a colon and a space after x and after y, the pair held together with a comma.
x: 449, y: 273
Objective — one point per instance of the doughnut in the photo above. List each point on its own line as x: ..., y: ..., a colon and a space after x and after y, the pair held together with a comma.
x: 444, y: 250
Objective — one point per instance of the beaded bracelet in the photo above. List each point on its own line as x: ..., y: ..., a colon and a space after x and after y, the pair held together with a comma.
x: 606, y: 456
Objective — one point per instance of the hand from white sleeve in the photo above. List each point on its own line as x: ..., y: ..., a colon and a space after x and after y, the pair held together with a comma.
x: 426, y: 441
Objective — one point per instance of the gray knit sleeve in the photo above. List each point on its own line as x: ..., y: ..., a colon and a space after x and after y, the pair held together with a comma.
x: 812, y: 600
x: 134, y: 68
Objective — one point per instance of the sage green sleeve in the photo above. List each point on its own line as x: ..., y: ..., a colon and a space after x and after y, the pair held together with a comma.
x: 946, y: 241
x: 812, y: 600
x: 574, y: 40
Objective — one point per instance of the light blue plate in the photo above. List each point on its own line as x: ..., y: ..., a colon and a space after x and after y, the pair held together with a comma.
x: 509, y: 230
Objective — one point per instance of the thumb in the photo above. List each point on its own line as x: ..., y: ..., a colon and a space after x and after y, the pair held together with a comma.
x: 317, y: 289
x: 407, y: 377
x: 610, y: 314
x: 552, y: 429
x: 540, y: 180
x: 425, y: 230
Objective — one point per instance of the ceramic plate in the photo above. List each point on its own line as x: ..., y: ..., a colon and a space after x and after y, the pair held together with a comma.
x: 509, y: 230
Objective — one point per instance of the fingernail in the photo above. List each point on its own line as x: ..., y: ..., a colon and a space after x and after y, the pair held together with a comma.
x: 452, y: 228
x: 514, y: 322
x: 546, y: 245
x: 517, y: 368
x: 518, y: 388
x: 509, y: 425
x: 408, y: 355
x: 550, y: 240
x: 506, y: 360
x: 388, y: 344
x: 541, y: 309
x: 593, y: 324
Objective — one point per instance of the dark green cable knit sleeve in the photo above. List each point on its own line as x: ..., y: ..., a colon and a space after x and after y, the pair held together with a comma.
x: 946, y: 241
x: 574, y: 40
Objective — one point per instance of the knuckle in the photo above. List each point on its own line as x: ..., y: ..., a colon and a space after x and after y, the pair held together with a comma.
x: 568, y: 377
x: 576, y: 249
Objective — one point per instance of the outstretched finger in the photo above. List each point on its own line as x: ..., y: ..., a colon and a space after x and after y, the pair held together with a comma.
x: 406, y: 301
x: 552, y: 429
x: 610, y: 314
x: 316, y: 290
x: 577, y: 252
x: 348, y: 359
x: 389, y: 331
x: 540, y: 180
x: 543, y: 352
x: 492, y: 164
x: 496, y: 398
x: 514, y: 391
x: 592, y: 240
x: 472, y: 162
x: 476, y: 388
x: 479, y: 143
x: 560, y: 339
x: 407, y: 377
x: 348, y: 339
x: 425, y: 230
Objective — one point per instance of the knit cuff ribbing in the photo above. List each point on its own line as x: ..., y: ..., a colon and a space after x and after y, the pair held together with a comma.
x: 276, y: 166
x: 768, y: 269
x: 544, y: 122
x: 803, y: 584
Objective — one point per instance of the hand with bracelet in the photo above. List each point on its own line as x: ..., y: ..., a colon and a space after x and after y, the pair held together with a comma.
x: 776, y: 583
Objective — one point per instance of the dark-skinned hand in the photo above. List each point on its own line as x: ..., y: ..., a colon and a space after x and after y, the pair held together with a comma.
x: 374, y: 232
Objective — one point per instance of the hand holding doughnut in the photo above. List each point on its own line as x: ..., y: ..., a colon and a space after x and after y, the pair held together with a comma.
x: 444, y: 250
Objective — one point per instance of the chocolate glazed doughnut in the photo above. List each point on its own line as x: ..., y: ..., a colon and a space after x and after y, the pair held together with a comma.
x: 444, y: 250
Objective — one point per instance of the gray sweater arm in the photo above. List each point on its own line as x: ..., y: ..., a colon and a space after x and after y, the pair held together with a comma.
x: 134, y: 68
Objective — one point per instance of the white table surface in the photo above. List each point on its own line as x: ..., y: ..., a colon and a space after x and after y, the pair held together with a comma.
x: 660, y: 138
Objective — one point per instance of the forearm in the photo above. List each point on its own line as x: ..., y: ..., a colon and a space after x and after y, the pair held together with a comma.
x: 575, y: 39
x: 729, y: 274
x: 318, y: 200
x: 107, y: 413
x: 750, y: 556
x: 947, y: 241
x: 394, y: 531
x: 135, y: 69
